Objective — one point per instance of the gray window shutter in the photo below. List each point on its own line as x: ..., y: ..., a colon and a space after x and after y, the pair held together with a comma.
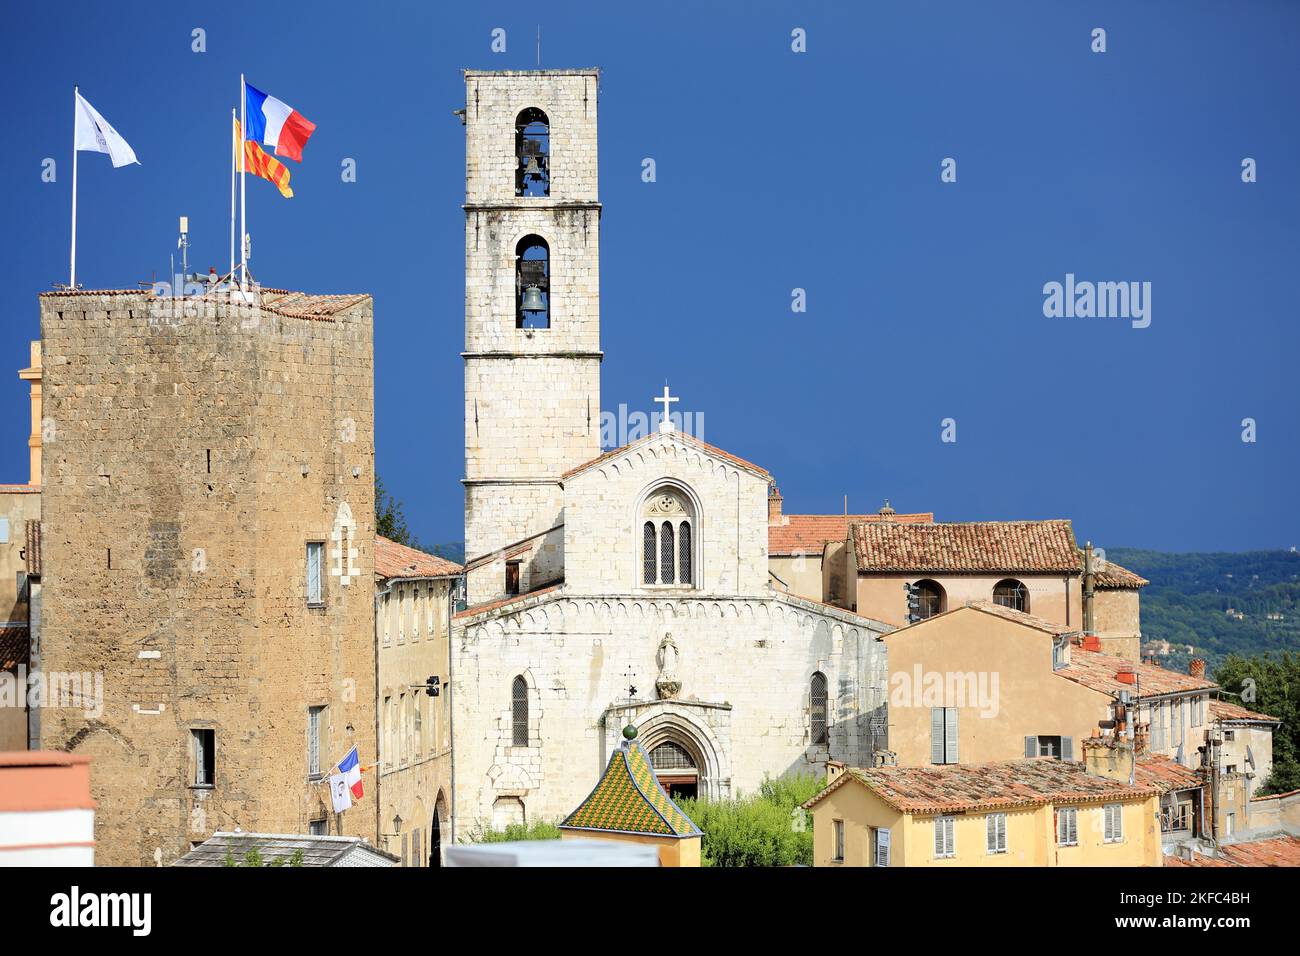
x: 1250, y: 756
x: 950, y: 734
x: 1067, y: 748
x: 882, y: 847
x: 936, y: 735
x: 1031, y: 746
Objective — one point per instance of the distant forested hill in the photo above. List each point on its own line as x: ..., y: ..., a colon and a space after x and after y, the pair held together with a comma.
x: 1191, y: 595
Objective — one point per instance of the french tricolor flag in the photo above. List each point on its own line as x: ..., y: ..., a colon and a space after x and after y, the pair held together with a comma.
x: 274, y: 123
x: 350, y: 767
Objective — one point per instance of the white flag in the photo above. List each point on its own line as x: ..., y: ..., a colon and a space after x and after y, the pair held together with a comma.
x: 340, y: 794
x: 95, y: 135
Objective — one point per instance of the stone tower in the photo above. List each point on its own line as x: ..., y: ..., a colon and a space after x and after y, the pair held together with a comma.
x: 208, y: 555
x: 532, y: 298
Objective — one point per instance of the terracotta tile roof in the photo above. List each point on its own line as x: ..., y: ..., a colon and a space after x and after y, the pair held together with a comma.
x: 808, y: 534
x: 1165, y: 775
x: 987, y: 786
x: 1228, y: 710
x: 505, y: 601
x: 678, y: 435
x: 15, y: 647
x: 1097, y: 671
x: 301, y: 305
x: 997, y: 610
x: 977, y: 547
x: 1112, y: 576
x: 1277, y: 851
x: 629, y: 799
x: 393, y: 560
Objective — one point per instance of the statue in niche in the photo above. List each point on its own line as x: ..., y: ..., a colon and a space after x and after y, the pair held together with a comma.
x: 667, y: 685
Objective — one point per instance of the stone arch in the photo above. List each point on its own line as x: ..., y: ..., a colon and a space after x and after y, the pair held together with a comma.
x: 673, y: 721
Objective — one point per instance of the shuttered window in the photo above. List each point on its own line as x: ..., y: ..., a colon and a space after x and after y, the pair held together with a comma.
x: 944, y: 843
x: 1067, y: 826
x: 943, y: 735
x: 314, y: 593
x: 519, y: 712
x: 817, y: 708
x: 1114, y: 823
x: 881, y: 855
x: 996, y: 825
x: 839, y: 841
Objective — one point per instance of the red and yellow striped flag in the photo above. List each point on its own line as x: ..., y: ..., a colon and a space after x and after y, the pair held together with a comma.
x: 263, y: 164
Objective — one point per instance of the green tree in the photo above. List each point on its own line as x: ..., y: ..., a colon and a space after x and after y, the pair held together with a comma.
x: 1270, y: 684
x: 390, y: 519
x: 767, y: 828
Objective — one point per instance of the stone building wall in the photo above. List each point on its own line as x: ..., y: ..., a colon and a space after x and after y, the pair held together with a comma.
x: 188, y: 460
x: 745, y: 667
x: 415, y: 755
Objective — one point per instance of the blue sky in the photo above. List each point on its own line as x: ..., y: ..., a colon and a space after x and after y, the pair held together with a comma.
x: 775, y: 170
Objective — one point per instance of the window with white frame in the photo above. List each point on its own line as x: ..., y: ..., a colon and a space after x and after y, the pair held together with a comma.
x: 1067, y: 826
x: 996, y: 828
x: 1114, y: 823
x: 945, y: 843
x: 315, y: 588
x: 315, y: 739
x: 667, y: 534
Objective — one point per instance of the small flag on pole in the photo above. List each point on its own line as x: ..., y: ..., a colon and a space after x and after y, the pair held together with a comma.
x: 274, y: 123
x: 340, y: 797
x: 94, y: 134
x: 350, y: 767
x: 261, y: 163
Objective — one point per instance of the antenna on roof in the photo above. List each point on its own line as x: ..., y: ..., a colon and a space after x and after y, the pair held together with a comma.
x: 539, y: 46
x: 846, y: 506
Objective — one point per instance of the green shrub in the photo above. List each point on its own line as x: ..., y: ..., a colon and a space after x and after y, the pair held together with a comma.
x: 540, y: 830
x: 762, y: 829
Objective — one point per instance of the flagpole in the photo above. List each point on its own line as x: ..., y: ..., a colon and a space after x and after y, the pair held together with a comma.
x: 234, y: 147
x: 72, y: 262
x: 243, y: 208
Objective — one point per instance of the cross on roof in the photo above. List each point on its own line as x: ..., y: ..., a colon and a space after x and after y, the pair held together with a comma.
x: 666, y: 423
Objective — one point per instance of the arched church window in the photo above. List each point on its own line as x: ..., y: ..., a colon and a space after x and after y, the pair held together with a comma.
x: 668, y: 539
x: 519, y: 712
x: 533, y: 149
x: 532, y: 283
x: 930, y: 596
x: 817, y: 707
x: 1011, y: 593
x: 671, y: 756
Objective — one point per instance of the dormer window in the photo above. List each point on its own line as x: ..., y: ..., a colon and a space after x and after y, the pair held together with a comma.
x: 667, y: 540
x: 533, y: 151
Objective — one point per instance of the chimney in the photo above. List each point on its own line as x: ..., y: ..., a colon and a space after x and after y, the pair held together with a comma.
x: 886, y: 512
x: 33, y: 375
x: 1091, y: 642
x: 773, y: 505
x: 1196, y: 667
x: 1126, y: 675
x: 1089, y: 621
x: 1140, y: 738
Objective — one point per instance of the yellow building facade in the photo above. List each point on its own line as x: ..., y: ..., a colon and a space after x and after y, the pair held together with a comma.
x: 1038, y: 812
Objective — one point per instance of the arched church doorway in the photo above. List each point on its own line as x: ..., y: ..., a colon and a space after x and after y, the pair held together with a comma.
x: 435, y: 836
x: 676, y: 769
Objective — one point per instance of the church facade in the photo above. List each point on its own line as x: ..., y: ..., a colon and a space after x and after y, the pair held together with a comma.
x: 625, y: 587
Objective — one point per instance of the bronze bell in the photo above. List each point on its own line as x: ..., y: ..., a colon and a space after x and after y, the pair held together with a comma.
x: 532, y: 301
x: 533, y: 171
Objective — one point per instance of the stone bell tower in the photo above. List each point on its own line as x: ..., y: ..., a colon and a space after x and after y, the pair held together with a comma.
x: 532, y: 298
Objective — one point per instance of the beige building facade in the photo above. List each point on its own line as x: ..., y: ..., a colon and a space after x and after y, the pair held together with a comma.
x: 414, y: 591
x: 208, y: 509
